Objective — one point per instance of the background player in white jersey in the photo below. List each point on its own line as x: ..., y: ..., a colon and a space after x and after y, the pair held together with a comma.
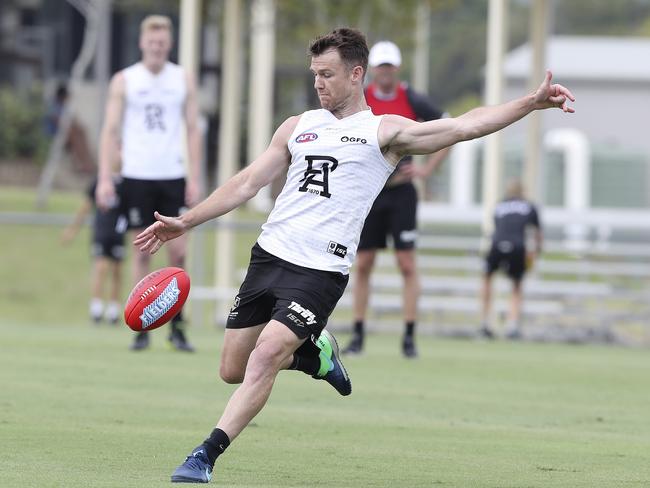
x: 513, y: 216
x: 147, y: 104
x: 339, y: 159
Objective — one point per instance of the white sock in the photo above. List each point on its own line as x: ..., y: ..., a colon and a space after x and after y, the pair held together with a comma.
x: 112, y: 311
x: 513, y: 325
x: 96, y: 308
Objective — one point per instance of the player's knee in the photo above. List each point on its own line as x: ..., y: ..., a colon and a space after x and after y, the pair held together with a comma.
x: 407, y: 268
x: 231, y: 375
x: 265, y: 359
x: 364, y: 266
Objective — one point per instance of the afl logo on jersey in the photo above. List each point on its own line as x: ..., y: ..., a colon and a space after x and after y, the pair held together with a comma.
x: 307, y: 137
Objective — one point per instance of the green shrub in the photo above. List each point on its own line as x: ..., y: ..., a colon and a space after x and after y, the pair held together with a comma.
x: 21, y: 124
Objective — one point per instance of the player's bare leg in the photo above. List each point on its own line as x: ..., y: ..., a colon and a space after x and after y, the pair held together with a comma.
x: 272, y: 353
x: 486, y: 302
x: 238, y: 344
x: 176, y: 250
x: 113, y: 308
x: 275, y: 347
x: 141, y: 262
x: 100, y: 270
x: 410, y: 295
x: 514, y: 317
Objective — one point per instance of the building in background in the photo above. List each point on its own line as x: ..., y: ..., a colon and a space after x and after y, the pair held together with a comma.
x: 611, y: 79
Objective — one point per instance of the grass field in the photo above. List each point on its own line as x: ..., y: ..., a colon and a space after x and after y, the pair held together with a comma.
x: 78, y: 409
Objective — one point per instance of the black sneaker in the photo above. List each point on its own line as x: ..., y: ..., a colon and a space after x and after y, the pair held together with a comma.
x: 178, y: 340
x: 141, y: 342
x: 355, y: 346
x: 408, y: 347
x: 195, y: 469
x: 486, y: 332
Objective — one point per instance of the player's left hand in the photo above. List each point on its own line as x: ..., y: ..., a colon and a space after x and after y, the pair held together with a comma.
x: 553, y: 95
x: 165, y: 229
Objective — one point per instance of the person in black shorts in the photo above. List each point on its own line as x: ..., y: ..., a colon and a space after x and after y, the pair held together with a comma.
x: 149, y: 103
x: 394, y: 211
x: 512, y: 217
x: 336, y: 159
x: 107, y: 248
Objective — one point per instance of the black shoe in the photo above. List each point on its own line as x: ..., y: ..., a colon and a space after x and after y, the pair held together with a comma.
x: 355, y: 346
x: 178, y: 340
x: 141, y: 342
x: 408, y: 347
x: 486, y: 332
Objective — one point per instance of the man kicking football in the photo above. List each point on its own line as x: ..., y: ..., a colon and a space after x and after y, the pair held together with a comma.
x: 338, y: 160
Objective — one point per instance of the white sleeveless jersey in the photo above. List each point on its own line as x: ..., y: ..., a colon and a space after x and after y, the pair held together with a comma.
x: 151, y: 127
x: 336, y: 172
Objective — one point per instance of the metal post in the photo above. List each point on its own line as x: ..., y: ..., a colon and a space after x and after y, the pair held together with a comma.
x: 538, y: 29
x: 188, y: 53
x: 421, y: 68
x: 228, y: 146
x: 493, y: 160
x: 422, y: 47
x: 260, y: 95
x: 188, y: 35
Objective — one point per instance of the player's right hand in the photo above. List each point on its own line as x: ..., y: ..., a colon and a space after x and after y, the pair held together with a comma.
x: 153, y: 237
x: 104, y: 194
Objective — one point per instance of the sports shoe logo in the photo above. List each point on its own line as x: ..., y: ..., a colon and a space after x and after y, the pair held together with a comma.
x: 161, y: 305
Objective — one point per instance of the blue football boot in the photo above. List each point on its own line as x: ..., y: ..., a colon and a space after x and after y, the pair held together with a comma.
x: 195, y: 469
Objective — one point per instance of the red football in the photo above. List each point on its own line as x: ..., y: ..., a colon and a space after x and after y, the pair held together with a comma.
x: 156, y: 299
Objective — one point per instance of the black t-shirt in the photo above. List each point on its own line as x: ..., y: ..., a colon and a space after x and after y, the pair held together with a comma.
x: 111, y: 224
x: 422, y: 106
x: 511, y: 217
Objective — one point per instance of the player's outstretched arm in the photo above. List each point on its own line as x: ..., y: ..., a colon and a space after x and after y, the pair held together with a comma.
x: 403, y: 136
x: 234, y: 192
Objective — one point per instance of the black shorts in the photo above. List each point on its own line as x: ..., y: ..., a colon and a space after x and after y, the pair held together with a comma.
x: 301, y: 298
x: 393, y: 212
x: 109, y: 248
x: 140, y: 198
x: 509, y: 257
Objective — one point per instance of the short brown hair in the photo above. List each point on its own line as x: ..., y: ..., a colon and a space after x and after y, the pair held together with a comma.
x: 156, y: 22
x: 514, y: 188
x: 350, y: 44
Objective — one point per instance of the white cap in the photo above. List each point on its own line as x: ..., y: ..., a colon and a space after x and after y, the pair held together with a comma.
x: 384, y: 52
